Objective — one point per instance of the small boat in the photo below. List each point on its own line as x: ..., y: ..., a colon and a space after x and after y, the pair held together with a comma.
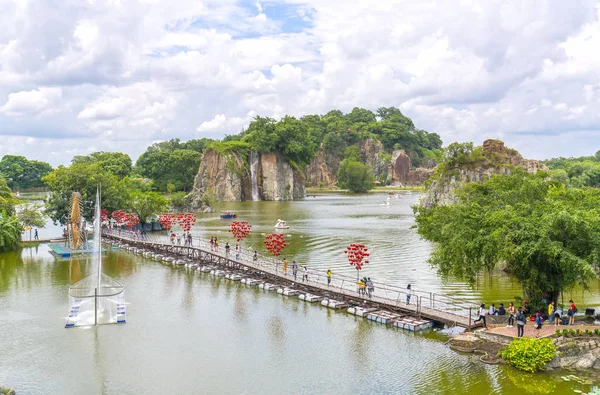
x: 228, y: 214
x: 281, y: 225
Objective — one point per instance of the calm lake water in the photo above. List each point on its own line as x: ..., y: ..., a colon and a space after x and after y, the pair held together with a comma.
x: 191, y: 333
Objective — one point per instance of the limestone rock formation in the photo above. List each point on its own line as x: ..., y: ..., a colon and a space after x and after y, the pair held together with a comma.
x: 398, y: 171
x: 229, y: 178
x: 498, y: 160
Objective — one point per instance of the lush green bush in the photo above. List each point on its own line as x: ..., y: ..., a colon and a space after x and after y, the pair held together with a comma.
x: 529, y: 355
x: 355, y: 176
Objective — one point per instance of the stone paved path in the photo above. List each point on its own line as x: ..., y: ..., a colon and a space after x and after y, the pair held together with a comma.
x: 547, y: 330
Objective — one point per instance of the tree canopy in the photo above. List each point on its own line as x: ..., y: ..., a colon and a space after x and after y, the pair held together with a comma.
x: 115, y: 163
x: 83, y: 177
x: 576, y: 172
x: 545, y: 234
x: 147, y: 205
x: 172, y: 162
x: 21, y: 172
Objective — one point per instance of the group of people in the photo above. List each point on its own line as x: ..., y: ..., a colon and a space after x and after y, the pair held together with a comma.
x: 186, y: 236
x: 366, y: 287
x: 520, y: 315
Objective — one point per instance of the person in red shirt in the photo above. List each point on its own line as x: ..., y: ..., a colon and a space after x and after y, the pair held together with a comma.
x: 572, y: 313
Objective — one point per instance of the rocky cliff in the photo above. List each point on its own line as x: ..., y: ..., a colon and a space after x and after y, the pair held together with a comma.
x: 395, y: 168
x: 497, y: 159
x: 234, y: 176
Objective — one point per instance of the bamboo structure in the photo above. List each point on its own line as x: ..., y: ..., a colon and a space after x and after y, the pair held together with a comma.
x: 75, y: 232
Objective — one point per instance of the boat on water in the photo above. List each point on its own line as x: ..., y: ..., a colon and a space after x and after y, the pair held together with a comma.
x: 228, y: 214
x: 281, y: 225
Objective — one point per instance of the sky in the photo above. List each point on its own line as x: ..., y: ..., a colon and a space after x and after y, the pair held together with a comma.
x: 79, y: 76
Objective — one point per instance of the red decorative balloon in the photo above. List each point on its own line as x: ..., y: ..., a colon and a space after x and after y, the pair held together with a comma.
x: 240, y: 230
x: 275, y: 242
x: 356, y: 255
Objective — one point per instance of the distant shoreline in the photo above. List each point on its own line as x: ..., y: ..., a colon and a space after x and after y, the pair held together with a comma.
x: 317, y: 190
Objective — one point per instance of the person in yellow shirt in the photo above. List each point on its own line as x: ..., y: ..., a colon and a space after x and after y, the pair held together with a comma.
x: 361, y: 287
x: 328, y: 276
x: 285, y: 263
x: 550, y: 312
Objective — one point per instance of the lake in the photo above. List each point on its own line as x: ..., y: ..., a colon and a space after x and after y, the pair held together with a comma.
x: 193, y: 333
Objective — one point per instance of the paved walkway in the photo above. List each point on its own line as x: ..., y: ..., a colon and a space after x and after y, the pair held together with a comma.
x: 546, y: 331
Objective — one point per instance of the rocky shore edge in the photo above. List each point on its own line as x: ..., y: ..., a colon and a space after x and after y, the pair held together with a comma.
x: 574, y: 353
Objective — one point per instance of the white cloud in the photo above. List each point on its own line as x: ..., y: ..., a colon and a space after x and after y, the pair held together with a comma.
x: 220, y: 123
x: 139, y: 71
x: 31, y: 102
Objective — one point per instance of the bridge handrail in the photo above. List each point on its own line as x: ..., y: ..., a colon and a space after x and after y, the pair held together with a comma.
x: 429, y: 300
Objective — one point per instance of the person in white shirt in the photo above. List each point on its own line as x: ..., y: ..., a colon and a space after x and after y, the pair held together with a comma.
x: 482, y: 315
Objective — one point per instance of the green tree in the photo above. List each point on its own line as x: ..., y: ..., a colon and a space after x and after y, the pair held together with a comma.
x: 30, y: 215
x: 10, y: 231
x: 116, y: 163
x: 7, y: 202
x: 545, y: 234
x: 147, y: 205
x: 355, y: 176
x: 83, y: 178
x: 172, y: 162
x: 23, y: 173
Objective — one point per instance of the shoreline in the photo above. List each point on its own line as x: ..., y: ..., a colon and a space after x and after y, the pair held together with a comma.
x: 317, y: 190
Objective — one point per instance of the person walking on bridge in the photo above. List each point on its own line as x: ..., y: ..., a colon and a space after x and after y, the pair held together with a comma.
x: 285, y: 264
x: 328, y: 276
x: 216, y: 245
x: 227, y: 247
x: 294, y: 269
x: 237, y: 252
x: 409, y: 293
x: 370, y: 287
x: 304, y: 273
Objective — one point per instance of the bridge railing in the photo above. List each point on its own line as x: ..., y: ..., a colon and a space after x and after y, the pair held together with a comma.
x: 420, y: 301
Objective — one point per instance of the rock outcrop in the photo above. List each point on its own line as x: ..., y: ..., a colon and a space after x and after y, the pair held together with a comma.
x: 498, y: 160
x: 401, y: 171
x: 229, y: 177
x: 398, y: 170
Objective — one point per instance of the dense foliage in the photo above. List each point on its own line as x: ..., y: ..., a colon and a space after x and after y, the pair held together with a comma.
x: 23, y: 173
x: 529, y: 355
x: 147, y: 205
x: 172, y: 165
x: 10, y: 226
x: 83, y: 177
x: 577, y: 172
x: 334, y: 132
x: 115, y: 163
x: 354, y: 175
x: 547, y: 235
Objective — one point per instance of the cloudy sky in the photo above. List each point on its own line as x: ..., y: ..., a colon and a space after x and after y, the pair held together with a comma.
x: 78, y: 76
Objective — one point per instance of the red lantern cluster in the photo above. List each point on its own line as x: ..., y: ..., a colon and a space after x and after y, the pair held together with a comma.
x: 275, y: 242
x: 356, y: 255
x: 186, y: 221
x: 240, y: 230
x: 166, y: 221
x: 123, y: 218
x: 131, y: 220
x: 104, y: 215
x: 119, y: 217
